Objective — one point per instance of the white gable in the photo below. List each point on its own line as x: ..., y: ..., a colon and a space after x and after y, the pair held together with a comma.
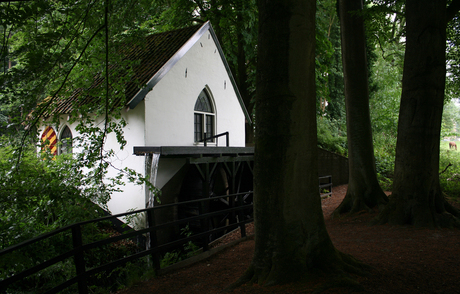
x: 170, y: 104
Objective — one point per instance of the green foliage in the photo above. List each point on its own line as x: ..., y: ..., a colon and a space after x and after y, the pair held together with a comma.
x: 133, y: 273
x: 453, y: 59
x: 170, y: 258
x: 331, y: 136
x: 329, y: 72
x: 325, y: 18
x: 385, y: 29
x: 386, y: 95
x: 450, y: 119
x: 41, y: 193
x: 449, y: 168
x: 59, y: 47
x: 384, y: 152
x: 189, y: 249
x: 37, y: 195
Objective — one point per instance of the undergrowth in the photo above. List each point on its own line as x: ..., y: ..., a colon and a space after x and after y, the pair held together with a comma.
x: 331, y: 136
x: 384, y: 152
x: 189, y: 249
x: 449, y: 169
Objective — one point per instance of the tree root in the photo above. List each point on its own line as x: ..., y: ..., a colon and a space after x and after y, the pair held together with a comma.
x: 354, y: 266
x: 247, y: 277
x: 339, y: 275
x: 336, y: 273
x: 352, y: 204
x: 403, y: 213
x: 450, y: 209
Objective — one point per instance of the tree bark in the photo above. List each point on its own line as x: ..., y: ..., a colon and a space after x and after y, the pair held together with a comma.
x: 291, y: 240
x: 364, y: 191
x: 417, y: 197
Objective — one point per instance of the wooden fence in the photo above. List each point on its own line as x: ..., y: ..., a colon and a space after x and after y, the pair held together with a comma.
x: 236, y: 213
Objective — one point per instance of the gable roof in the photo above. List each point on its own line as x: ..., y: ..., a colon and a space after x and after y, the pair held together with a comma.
x: 158, y: 55
x: 161, y: 52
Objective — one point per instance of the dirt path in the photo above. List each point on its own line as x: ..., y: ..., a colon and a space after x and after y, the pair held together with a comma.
x: 405, y: 260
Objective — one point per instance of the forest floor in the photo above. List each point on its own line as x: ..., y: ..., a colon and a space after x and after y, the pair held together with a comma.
x: 404, y: 259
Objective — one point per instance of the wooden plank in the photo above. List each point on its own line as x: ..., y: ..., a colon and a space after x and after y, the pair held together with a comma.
x: 185, y: 151
x: 192, y: 160
x: 142, y: 150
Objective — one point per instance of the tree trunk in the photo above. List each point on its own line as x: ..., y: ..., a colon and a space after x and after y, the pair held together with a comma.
x: 291, y: 240
x: 364, y: 191
x: 417, y: 197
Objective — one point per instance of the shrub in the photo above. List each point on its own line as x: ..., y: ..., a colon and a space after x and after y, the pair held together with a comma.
x: 331, y: 136
x: 449, y: 169
x: 40, y: 193
x: 384, y: 152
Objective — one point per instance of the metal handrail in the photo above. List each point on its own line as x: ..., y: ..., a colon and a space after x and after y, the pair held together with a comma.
x: 226, y: 134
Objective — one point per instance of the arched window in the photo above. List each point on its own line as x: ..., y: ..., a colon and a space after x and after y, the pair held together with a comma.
x: 66, y: 141
x: 204, y: 117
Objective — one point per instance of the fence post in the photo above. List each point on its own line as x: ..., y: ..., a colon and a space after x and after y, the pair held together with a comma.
x: 204, y: 206
x: 79, y: 259
x: 241, y: 216
x: 153, y: 239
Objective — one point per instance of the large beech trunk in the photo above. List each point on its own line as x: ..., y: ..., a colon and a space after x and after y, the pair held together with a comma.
x: 291, y: 240
x: 417, y: 197
x: 364, y: 191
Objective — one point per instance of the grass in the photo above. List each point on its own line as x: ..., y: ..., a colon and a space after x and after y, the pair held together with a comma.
x: 449, y: 168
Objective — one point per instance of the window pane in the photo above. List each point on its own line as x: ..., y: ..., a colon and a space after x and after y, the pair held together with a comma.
x: 210, y: 127
x: 66, y: 140
x: 203, y: 103
x: 198, y: 126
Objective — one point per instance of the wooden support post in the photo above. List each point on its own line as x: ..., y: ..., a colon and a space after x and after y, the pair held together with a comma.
x: 79, y: 260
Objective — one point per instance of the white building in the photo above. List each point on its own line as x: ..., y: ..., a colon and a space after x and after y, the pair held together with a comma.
x: 189, y: 93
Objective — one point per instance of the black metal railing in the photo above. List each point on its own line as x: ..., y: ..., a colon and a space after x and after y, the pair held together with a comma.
x: 325, y: 186
x: 237, y: 213
x: 206, y: 139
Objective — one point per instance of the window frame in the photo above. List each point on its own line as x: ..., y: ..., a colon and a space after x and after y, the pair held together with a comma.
x: 61, y: 144
x: 204, y: 119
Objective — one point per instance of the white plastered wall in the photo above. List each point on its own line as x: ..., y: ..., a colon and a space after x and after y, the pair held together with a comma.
x: 170, y: 104
x: 132, y: 196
